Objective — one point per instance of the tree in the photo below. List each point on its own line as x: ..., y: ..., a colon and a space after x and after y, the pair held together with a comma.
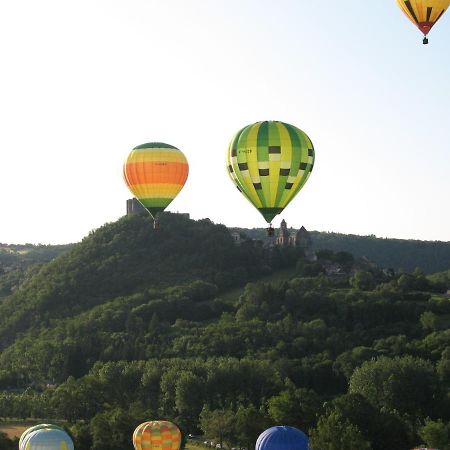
x: 189, y: 394
x: 365, y: 281
x: 404, y: 384
x: 347, y: 362
x: 443, y: 366
x: 78, y: 399
x: 429, y: 321
x: 218, y: 424
x: 249, y: 424
x: 111, y: 430
x: 295, y: 407
x: 333, y: 432
x: 436, y: 434
x: 383, y: 430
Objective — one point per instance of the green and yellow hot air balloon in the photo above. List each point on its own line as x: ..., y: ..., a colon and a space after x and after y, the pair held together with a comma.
x: 269, y: 162
x: 423, y: 13
x: 155, y: 173
x: 157, y: 435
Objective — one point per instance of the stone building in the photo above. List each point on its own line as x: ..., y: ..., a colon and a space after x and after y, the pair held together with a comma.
x: 134, y: 207
x: 293, y: 238
x: 283, y: 236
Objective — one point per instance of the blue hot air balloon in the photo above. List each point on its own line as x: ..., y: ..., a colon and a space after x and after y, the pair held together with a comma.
x: 282, y: 438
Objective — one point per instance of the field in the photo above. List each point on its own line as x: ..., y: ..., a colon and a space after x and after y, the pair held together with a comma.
x: 15, y: 429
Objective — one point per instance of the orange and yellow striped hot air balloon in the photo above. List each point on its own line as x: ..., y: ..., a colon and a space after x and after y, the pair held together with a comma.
x: 423, y: 13
x: 157, y: 435
x: 155, y: 173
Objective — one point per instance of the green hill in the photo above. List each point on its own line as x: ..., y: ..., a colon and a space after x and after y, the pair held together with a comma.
x: 127, y: 257
x: 181, y: 323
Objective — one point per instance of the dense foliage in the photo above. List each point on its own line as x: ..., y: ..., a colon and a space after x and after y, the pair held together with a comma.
x: 226, y: 340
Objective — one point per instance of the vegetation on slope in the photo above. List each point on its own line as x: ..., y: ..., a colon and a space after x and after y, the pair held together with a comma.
x: 134, y: 323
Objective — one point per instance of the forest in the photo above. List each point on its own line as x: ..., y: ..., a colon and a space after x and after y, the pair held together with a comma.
x: 225, y: 340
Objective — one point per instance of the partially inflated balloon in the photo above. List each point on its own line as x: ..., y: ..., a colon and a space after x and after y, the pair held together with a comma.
x: 270, y: 162
x: 35, y: 428
x: 424, y: 13
x: 155, y: 173
x: 157, y: 435
x: 282, y: 438
x: 47, y: 439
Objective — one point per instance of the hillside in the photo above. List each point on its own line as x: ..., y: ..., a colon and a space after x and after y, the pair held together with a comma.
x: 128, y: 257
x: 180, y: 323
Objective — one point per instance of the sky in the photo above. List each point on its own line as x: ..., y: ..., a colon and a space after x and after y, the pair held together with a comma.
x: 82, y: 83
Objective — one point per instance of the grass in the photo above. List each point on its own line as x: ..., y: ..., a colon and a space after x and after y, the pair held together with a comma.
x: 193, y: 445
x: 14, y: 428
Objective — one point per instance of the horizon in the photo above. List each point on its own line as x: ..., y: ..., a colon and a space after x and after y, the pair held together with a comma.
x: 230, y: 227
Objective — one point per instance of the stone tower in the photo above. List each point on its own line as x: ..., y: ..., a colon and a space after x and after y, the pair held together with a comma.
x: 283, y: 235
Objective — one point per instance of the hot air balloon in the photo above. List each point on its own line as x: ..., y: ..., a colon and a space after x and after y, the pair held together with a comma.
x: 155, y: 173
x: 47, y: 439
x: 157, y: 435
x: 269, y: 162
x: 424, y: 13
x: 35, y: 428
x: 282, y: 438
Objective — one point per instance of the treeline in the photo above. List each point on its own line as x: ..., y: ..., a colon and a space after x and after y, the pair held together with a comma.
x: 19, y: 262
x: 398, y: 254
x: 16, y: 255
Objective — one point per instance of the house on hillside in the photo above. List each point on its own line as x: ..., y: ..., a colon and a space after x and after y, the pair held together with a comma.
x: 293, y: 238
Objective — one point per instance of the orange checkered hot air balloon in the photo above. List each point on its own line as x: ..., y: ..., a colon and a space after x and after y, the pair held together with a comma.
x: 157, y: 435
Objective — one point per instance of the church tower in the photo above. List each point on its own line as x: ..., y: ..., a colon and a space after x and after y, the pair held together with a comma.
x: 283, y: 235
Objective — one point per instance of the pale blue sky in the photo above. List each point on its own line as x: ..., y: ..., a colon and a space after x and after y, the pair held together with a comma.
x: 82, y: 83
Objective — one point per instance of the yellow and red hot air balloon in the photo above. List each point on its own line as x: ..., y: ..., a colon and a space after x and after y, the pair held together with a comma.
x: 155, y: 173
x: 157, y: 435
x: 423, y: 13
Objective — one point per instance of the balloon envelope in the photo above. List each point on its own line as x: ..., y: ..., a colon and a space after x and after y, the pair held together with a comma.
x: 423, y: 13
x: 155, y: 173
x: 35, y: 428
x: 269, y: 162
x: 157, y: 435
x: 282, y: 438
x: 47, y: 439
